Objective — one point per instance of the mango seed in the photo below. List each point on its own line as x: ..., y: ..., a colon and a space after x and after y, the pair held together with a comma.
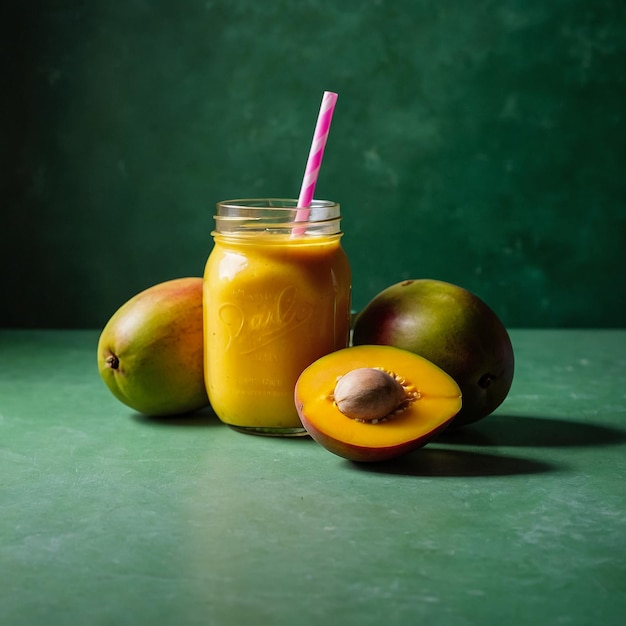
x: 368, y: 394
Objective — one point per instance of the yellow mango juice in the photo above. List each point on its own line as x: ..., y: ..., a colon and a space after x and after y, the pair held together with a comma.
x: 273, y: 304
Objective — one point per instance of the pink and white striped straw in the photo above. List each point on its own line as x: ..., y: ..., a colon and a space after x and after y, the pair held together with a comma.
x: 315, y: 158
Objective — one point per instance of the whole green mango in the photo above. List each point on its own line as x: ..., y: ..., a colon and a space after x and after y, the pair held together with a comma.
x: 451, y: 327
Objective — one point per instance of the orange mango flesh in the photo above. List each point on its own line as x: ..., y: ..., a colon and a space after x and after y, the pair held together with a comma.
x: 438, y: 402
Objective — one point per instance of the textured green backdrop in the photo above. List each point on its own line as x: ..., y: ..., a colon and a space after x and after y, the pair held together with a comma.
x: 482, y: 143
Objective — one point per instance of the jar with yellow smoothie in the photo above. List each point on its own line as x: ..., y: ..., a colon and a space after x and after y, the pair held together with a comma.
x: 276, y: 298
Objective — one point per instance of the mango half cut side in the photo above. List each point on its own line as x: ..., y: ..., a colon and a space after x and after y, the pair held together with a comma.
x: 433, y: 399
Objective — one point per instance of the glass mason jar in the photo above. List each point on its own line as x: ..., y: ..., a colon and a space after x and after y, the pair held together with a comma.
x: 276, y: 298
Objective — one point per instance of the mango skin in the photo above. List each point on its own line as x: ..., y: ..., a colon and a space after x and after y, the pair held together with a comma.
x: 151, y: 351
x: 360, y: 454
x: 451, y: 327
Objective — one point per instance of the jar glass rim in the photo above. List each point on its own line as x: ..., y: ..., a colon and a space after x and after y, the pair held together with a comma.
x: 277, y: 215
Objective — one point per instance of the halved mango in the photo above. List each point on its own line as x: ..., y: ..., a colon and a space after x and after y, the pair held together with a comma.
x: 432, y: 401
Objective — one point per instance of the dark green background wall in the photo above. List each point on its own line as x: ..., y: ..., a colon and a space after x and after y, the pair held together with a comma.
x: 482, y: 143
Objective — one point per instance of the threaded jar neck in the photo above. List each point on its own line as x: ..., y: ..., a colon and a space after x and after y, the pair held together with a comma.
x: 276, y: 216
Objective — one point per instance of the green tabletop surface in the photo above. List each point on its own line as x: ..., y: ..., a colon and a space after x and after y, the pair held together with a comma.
x: 109, y: 517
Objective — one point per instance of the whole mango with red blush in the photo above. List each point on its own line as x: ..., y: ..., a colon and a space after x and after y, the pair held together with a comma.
x: 151, y: 351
